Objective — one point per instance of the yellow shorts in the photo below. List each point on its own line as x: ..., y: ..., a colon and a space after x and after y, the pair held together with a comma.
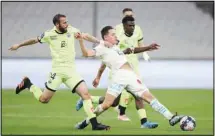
x: 68, y: 76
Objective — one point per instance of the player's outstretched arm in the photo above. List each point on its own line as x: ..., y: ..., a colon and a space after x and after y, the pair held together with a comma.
x: 25, y: 43
x: 93, y: 39
x: 151, y: 47
x: 99, y: 74
x: 86, y: 52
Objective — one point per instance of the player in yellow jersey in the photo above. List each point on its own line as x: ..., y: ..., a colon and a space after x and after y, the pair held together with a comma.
x: 129, y: 39
x: 61, y: 42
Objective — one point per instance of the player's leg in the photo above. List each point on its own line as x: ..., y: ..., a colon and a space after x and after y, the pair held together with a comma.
x: 141, y: 91
x: 42, y: 96
x: 125, y: 99
x: 111, y: 99
x: 95, y: 100
x: 157, y: 106
x: 142, y: 115
x: 78, y: 85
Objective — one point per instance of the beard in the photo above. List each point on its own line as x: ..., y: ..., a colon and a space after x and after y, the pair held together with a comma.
x: 63, y: 30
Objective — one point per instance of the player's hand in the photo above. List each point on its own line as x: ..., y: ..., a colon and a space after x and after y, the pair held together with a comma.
x: 154, y: 46
x: 96, y: 82
x: 14, y: 47
x: 78, y: 36
x: 128, y: 51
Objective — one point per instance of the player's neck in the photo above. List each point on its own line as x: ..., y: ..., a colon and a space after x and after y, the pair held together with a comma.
x: 58, y: 31
x: 128, y: 35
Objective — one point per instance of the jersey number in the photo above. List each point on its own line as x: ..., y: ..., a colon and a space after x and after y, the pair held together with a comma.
x: 63, y: 44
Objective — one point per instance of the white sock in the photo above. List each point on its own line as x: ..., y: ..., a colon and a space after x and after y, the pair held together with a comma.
x: 157, y: 106
x: 98, y: 110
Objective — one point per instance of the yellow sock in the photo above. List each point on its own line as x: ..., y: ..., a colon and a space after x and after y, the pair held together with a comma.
x: 36, y: 91
x: 142, y: 113
x: 95, y: 99
x: 88, y: 108
x: 125, y: 99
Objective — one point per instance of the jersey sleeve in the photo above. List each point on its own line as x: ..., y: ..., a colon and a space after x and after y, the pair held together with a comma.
x: 140, y: 35
x: 43, y: 38
x: 73, y: 29
x: 99, y: 50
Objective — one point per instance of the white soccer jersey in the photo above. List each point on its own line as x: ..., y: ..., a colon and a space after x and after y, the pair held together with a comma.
x: 112, y: 57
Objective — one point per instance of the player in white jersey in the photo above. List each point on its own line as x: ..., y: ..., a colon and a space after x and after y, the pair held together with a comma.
x: 61, y: 42
x: 124, y: 76
x: 128, y: 39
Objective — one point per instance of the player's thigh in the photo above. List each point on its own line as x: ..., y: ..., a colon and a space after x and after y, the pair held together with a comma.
x: 136, y: 87
x: 115, y: 89
x: 76, y: 83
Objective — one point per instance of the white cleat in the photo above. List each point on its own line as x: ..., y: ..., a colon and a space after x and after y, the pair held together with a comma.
x: 123, y: 118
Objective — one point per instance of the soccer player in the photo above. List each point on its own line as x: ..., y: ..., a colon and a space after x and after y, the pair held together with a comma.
x: 61, y: 42
x: 128, y: 38
x: 124, y: 76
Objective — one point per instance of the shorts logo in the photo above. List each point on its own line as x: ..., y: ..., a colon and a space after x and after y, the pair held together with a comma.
x: 139, y: 81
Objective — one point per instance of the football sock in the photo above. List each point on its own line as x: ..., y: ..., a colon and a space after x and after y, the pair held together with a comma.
x: 142, y: 115
x: 121, y: 110
x: 88, y: 108
x: 124, y: 99
x: 36, y: 91
x: 95, y: 99
x: 157, y: 106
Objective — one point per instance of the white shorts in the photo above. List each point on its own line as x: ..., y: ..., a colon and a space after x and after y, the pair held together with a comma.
x: 128, y: 80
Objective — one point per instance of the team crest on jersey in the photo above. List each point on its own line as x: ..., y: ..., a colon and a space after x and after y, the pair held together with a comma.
x: 68, y: 35
x: 54, y: 37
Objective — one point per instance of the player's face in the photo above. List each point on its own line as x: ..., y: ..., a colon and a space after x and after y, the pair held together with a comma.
x: 129, y: 27
x: 128, y: 13
x: 111, y: 37
x: 62, y: 26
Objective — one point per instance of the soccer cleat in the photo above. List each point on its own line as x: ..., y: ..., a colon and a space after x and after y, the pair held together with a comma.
x: 25, y: 83
x: 123, y: 118
x: 81, y: 125
x: 175, y: 119
x: 79, y: 104
x: 149, y: 125
x: 100, y: 126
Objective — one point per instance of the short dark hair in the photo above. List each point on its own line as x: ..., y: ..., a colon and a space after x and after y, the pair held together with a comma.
x: 126, y: 9
x: 127, y: 18
x: 105, y: 30
x: 56, y: 18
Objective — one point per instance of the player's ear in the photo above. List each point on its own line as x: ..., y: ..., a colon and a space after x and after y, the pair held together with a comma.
x: 105, y: 37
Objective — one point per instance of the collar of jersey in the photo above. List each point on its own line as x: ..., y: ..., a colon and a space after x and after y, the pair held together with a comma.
x: 59, y: 32
x: 127, y: 35
x: 55, y: 29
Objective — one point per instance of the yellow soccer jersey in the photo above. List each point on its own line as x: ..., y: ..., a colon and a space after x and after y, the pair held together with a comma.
x: 130, y: 42
x: 62, y: 46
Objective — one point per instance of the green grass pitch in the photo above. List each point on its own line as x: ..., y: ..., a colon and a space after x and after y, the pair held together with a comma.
x: 23, y: 114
